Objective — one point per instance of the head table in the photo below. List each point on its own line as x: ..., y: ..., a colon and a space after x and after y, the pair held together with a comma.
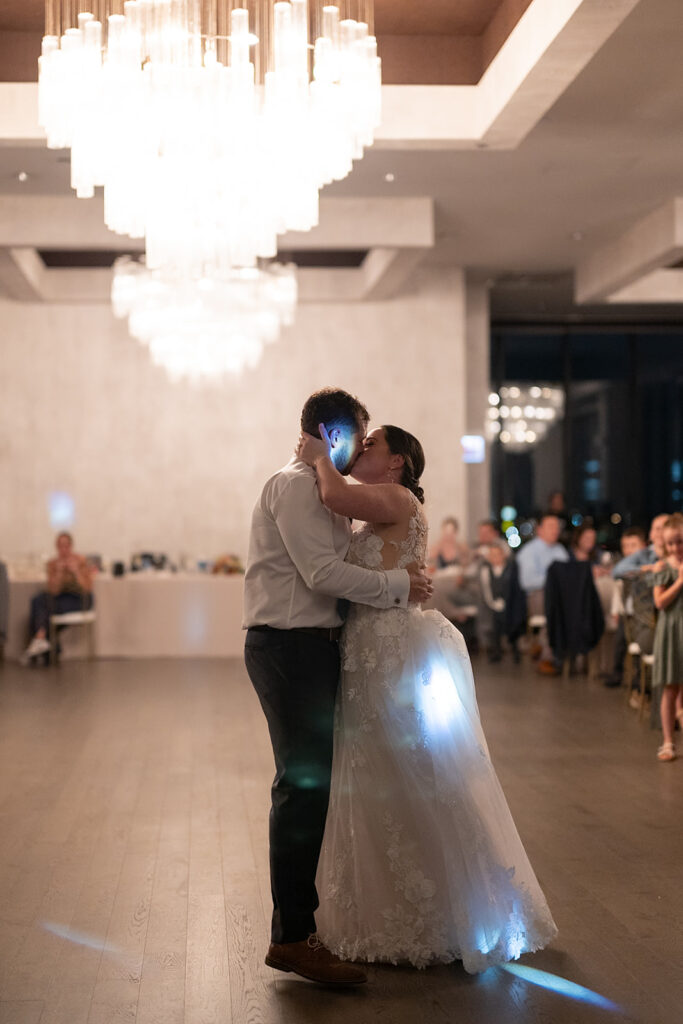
x: 147, y: 615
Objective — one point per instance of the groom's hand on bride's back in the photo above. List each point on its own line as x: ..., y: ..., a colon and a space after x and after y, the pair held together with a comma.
x: 421, y: 586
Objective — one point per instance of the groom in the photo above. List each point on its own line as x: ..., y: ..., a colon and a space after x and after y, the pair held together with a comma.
x: 295, y: 575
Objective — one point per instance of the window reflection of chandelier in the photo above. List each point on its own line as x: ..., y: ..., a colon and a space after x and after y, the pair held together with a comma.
x: 211, y: 124
x: 520, y: 415
x: 203, y: 330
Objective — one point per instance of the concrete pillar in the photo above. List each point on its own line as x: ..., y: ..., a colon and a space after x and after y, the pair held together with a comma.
x: 476, y: 391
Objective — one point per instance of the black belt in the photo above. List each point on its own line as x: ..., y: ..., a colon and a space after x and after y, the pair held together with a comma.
x: 331, y: 633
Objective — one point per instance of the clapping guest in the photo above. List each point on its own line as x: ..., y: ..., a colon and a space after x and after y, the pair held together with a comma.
x: 69, y: 589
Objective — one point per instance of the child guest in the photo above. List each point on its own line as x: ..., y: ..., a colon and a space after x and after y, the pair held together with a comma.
x: 668, y: 649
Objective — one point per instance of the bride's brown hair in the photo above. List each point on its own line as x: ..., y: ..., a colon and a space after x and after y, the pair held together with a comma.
x: 402, y: 443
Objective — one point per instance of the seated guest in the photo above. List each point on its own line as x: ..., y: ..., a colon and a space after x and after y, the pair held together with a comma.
x: 488, y: 533
x: 503, y: 600
x: 642, y: 558
x: 456, y: 593
x: 637, y: 571
x: 632, y: 540
x: 449, y: 549
x: 69, y: 589
x: 582, y: 548
x: 533, y: 561
x: 557, y: 506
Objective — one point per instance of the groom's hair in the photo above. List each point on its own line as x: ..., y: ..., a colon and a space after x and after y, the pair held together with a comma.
x: 333, y: 407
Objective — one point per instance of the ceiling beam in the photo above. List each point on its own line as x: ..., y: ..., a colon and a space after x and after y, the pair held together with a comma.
x: 659, y: 287
x: 24, y: 278
x: 626, y: 265
x: 547, y: 49
x: 64, y: 222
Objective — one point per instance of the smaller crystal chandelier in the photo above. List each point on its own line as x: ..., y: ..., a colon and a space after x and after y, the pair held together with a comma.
x: 205, y: 329
x: 520, y: 415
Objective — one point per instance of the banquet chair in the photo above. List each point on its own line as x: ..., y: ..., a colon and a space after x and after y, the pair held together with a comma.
x: 639, y: 629
x: 87, y: 618
x: 573, y: 610
x: 644, y: 681
x: 534, y: 625
x: 633, y: 651
x: 610, y: 592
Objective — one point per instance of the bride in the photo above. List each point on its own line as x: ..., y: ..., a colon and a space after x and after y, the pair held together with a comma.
x: 421, y: 860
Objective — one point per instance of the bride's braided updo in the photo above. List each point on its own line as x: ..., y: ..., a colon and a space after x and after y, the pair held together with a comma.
x: 402, y: 443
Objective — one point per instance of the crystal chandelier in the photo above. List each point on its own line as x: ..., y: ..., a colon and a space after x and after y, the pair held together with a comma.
x: 203, y: 329
x: 520, y: 415
x: 211, y: 124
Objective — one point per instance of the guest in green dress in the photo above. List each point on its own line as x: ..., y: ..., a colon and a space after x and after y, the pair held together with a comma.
x: 668, y: 648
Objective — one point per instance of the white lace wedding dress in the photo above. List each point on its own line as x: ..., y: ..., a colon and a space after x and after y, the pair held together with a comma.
x: 421, y: 860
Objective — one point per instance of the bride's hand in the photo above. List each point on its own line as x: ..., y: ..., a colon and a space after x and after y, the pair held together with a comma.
x: 421, y: 587
x: 310, y: 448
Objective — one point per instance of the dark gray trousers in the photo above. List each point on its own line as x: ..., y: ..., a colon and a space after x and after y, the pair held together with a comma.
x: 296, y: 676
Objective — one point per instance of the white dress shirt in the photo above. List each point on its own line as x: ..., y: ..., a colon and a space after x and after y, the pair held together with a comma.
x: 296, y: 568
x: 533, y: 562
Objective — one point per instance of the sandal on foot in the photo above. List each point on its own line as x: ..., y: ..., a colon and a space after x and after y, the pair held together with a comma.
x: 667, y: 752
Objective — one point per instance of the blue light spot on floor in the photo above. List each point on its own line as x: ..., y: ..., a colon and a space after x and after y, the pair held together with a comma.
x: 63, y: 931
x: 562, y: 986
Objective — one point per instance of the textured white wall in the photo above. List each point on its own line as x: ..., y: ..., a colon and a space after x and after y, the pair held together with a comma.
x: 159, y: 466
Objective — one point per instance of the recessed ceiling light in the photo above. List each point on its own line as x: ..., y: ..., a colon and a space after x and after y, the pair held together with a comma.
x: 390, y: 177
x: 22, y: 176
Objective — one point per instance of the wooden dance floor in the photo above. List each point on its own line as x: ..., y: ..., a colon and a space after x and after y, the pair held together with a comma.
x: 134, y: 868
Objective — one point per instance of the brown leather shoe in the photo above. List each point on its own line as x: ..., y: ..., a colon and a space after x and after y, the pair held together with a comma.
x: 310, y: 959
x: 546, y: 668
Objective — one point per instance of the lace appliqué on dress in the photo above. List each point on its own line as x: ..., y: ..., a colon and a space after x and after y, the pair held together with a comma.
x: 421, y: 860
x: 413, y: 927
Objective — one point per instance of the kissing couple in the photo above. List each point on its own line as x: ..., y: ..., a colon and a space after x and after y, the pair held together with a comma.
x: 390, y: 836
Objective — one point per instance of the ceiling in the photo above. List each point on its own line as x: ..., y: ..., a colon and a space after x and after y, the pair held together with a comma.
x: 420, y: 41
x: 609, y: 151
x: 416, y: 17
x: 400, y: 17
